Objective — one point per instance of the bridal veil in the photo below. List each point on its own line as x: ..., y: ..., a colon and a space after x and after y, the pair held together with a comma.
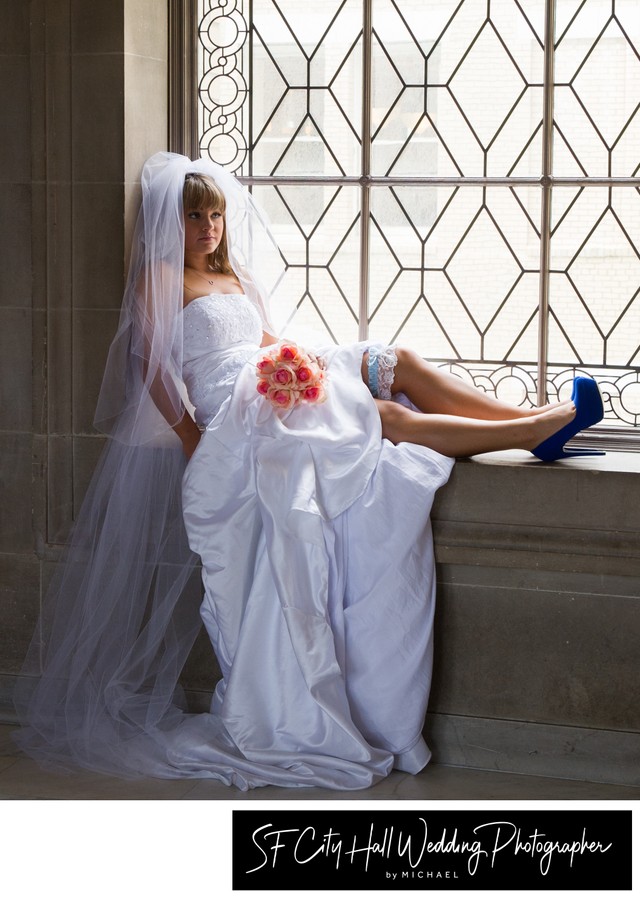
x: 118, y: 622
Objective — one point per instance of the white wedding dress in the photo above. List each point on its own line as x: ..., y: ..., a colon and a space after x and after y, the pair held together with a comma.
x: 317, y: 561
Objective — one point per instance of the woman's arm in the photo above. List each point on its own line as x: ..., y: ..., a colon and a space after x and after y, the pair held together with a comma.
x: 186, y: 428
x: 165, y: 400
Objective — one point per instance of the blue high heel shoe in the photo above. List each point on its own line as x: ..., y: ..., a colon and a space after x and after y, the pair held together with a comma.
x: 589, y: 410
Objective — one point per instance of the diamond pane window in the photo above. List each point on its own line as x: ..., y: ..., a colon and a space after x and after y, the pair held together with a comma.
x: 318, y: 234
x: 458, y: 176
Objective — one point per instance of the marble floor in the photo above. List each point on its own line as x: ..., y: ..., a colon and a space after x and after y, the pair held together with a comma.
x: 22, y: 779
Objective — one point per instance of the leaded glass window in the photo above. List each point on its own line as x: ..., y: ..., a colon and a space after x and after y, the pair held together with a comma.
x: 459, y: 176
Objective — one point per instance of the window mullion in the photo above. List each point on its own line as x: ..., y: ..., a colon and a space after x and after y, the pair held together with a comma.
x: 546, y: 185
x: 183, y: 77
x: 365, y: 185
x: 250, y: 33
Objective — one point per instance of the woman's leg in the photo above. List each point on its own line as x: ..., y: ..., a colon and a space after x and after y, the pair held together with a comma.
x: 460, y: 437
x: 436, y: 392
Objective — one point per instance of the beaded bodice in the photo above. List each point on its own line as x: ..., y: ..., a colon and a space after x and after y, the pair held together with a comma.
x: 217, y: 321
x: 221, y: 332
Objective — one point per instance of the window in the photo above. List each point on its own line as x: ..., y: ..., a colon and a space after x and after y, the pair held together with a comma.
x: 446, y: 176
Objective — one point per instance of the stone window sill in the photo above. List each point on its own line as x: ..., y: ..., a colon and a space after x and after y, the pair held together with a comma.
x: 615, y: 460
x: 505, y: 509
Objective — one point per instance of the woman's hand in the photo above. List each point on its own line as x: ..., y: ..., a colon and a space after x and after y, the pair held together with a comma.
x: 189, y: 434
x: 190, y: 443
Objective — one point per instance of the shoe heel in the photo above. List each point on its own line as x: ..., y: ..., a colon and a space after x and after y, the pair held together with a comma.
x: 589, y: 411
x: 578, y: 453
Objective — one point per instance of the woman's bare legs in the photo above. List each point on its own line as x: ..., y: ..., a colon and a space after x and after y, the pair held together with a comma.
x: 455, y: 418
x: 460, y: 437
x: 436, y: 392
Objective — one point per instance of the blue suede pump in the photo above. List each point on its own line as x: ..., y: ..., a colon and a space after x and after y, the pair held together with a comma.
x: 589, y: 410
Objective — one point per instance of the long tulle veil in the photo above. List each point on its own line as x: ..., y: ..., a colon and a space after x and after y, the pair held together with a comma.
x: 118, y: 621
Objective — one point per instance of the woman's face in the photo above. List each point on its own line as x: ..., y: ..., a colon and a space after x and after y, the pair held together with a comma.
x: 203, y: 230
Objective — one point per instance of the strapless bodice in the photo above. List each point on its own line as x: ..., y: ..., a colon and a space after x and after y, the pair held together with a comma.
x: 217, y: 321
x: 221, y: 332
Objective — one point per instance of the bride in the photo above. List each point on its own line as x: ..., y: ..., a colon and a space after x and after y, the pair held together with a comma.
x: 308, y: 526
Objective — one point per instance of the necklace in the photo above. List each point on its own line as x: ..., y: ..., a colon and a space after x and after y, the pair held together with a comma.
x: 201, y: 275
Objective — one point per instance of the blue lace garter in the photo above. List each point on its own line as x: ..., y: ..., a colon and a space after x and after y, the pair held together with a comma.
x: 381, y: 370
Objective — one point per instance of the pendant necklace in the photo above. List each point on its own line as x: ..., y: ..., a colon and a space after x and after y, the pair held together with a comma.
x: 201, y: 276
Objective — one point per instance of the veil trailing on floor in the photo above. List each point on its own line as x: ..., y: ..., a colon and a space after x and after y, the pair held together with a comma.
x: 119, y: 620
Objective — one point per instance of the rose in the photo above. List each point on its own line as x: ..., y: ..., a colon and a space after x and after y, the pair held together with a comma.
x: 304, y: 373
x: 266, y: 366
x: 282, y: 376
x: 282, y: 398
x: 314, y: 393
x: 263, y: 387
x: 290, y: 353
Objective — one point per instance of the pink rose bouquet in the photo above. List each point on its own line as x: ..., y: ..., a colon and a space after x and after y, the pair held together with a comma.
x: 287, y: 375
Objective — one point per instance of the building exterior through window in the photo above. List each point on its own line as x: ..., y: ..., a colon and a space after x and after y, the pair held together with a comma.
x: 458, y: 176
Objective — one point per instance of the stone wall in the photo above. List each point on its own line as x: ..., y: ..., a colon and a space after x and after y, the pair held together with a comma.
x: 83, y: 92
x: 538, y: 617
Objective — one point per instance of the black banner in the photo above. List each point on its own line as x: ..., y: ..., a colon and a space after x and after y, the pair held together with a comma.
x: 517, y: 850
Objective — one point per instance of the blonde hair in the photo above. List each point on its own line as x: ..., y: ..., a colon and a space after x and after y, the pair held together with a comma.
x: 201, y: 192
